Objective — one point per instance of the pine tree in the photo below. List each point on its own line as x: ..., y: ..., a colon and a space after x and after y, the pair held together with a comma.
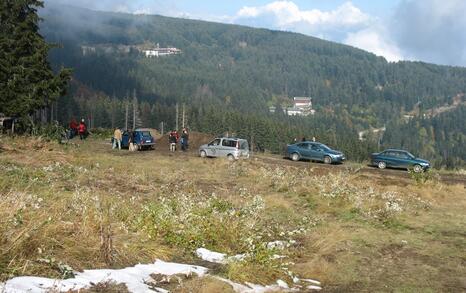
x: 27, y: 82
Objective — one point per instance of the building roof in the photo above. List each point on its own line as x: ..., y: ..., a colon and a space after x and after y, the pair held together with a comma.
x: 302, y: 99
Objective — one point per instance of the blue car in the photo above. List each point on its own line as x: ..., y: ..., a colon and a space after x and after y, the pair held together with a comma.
x: 314, y: 151
x: 140, y: 137
x: 399, y: 159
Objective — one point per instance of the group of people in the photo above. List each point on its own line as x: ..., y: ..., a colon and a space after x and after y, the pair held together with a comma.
x: 78, y: 129
x: 174, y: 138
x: 303, y: 139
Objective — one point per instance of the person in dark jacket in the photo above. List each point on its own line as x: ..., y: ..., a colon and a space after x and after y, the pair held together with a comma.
x: 172, y: 140
x: 184, y: 140
x: 73, y: 128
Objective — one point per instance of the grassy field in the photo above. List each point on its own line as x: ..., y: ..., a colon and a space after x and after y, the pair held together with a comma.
x: 83, y: 205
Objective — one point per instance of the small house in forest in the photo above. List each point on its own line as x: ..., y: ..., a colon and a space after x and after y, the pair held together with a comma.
x: 302, y: 106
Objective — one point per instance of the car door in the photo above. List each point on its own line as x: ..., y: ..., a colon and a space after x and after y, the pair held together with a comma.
x: 125, y: 139
x: 398, y: 159
x: 316, y: 152
x: 389, y: 157
x: 212, y: 147
x: 404, y: 160
x: 227, y: 147
x: 305, y: 150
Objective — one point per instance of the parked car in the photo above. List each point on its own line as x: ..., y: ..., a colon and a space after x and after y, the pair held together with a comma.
x: 232, y: 148
x: 314, y: 151
x: 399, y: 159
x: 141, y: 137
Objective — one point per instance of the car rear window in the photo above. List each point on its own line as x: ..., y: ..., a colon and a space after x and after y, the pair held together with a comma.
x: 145, y: 133
x: 244, y: 145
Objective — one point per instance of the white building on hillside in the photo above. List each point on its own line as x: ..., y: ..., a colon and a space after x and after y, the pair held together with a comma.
x: 302, y: 106
x: 157, y: 52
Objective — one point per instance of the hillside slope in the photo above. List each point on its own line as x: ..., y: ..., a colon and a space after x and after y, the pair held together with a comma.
x: 249, y: 65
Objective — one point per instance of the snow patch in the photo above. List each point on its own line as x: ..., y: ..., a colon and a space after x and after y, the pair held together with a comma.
x: 134, y: 278
x: 211, y: 256
x: 217, y: 257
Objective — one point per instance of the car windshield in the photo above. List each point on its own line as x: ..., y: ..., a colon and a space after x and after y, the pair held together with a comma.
x: 215, y: 142
x: 324, y: 147
x: 411, y: 156
x: 145, y: 133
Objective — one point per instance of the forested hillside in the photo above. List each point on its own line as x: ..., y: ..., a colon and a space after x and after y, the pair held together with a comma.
x: 226, y: 71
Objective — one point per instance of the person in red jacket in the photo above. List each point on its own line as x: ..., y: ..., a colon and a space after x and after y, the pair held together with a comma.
x: 82, y: 130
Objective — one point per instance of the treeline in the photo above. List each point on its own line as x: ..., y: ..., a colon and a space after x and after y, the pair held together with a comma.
x: 442, y: 139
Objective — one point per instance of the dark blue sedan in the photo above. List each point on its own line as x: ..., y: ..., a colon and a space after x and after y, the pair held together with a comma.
x: 399, y: 159
x: 314, y: 151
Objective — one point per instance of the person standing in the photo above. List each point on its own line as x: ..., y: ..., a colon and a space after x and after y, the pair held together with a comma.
x: 172, y: 140
x: 82, y: 130
x: 73, y: 128
x: 117, y: 137
x: 184, y: 140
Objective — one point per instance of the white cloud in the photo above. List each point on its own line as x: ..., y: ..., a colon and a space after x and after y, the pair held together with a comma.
x: 286, y: 15
x: 347, y: 24
x: 375, y: 40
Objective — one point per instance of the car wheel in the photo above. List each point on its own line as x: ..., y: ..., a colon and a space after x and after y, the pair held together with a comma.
x: 382, y: 165
x: 327, y: 160
x: 203, y: 154
x: 417, y: 169
x: 295, y: 157
x: 230, y: 157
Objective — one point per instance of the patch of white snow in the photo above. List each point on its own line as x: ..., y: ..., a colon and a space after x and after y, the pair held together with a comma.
x: 211, y: 256
x: 133, y: 277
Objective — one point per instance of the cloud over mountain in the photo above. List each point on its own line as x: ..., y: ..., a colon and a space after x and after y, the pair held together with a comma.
x: 286, y: 15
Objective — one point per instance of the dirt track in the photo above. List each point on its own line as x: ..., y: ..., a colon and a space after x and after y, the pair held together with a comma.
x: 387, y: 174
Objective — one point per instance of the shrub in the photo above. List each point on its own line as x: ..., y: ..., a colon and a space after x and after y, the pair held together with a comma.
x: 421, y: 177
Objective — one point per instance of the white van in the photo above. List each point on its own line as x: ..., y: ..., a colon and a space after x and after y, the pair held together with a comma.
x: 232, y: 148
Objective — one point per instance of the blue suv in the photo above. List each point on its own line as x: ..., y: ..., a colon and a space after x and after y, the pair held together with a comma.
x: 140, y: 137
x: 314, y: 151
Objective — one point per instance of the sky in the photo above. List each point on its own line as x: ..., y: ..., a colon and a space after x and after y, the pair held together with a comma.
x: 419, y: 30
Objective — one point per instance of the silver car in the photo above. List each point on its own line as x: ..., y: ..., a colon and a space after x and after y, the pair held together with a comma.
x: 232, y: 148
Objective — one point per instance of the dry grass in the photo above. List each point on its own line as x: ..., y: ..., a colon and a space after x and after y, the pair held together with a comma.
x: 86, y: 206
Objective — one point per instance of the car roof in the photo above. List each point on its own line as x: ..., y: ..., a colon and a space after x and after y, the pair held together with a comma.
x: 395, y: 150
x: 232, y: 138
x: 308, y: 141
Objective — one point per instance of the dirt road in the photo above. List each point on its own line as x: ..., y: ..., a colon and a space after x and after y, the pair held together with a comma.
x: 388, y: 174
